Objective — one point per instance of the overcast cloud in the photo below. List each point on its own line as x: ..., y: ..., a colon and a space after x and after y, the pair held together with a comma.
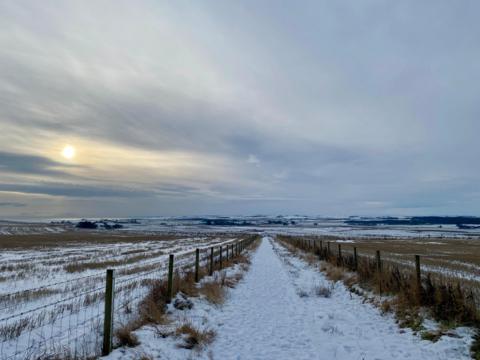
x: 245, y: 107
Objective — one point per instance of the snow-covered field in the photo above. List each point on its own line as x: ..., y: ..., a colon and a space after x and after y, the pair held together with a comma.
x: 313, y: 225
x: 15, y: 228
x: 275, y: 312
x: 51, y: 298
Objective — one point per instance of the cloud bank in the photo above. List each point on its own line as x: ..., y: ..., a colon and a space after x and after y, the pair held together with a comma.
x: 318, y: 107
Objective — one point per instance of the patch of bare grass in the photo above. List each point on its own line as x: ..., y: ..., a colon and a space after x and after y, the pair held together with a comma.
x: 213, y: 292
x: 152, y: 308
x: 28, y: 295
x: 144, y: 356
x: 333, y: 273
x: 75, y: 238
x: 84, y: 266
x: 194, y: 338
x: 126, y: 337
x: 323, y: 291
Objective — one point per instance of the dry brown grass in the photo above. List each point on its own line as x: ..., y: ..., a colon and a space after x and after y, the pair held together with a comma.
x: 186, y: 284
x: 310, y: 259
x: 152, y: 308
x: 14, y: 330
x: 74, y: 238
x: 333, y: 273
x: 83, y: 266
x: 136, y: 269
x: 62, y: 354
x: 232, y: 281
x: 28, y: 295
x: 194, y: 338
x: 145, y: 357
x: 126, y: 337
x: 456, y: 255
x: 323, y: 291
x: 213, y: 292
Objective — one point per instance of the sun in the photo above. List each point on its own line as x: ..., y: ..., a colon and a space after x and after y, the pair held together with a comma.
x: 68, y: 152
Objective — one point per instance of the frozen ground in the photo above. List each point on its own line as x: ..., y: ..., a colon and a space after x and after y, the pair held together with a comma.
x: 12, y: 227
x: 275, y: 313
x: 52, y: 297
x: 298, y: 225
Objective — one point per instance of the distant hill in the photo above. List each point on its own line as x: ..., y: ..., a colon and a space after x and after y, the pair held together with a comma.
x: 418, y: 220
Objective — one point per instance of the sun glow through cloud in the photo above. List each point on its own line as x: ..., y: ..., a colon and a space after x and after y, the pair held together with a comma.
x: 68, y: 152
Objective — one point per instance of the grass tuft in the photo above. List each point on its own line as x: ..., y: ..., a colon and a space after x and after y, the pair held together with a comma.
x: 126, y: 337
x: 323, y: 291
x: 432, y: 336
x: 213, y: 291
x: 194, y: 338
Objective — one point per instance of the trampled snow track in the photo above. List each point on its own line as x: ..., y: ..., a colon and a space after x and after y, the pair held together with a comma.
x: 275, y: 314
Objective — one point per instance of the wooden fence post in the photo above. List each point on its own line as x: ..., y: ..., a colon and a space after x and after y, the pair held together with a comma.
x: 220, y: 258
x: 170, y: 279
x: 379, y: 271
x: 379, y: 261
x: 210, y: 270
x: 328, y: 248
x: 340, y: 259
x: 355, y: 258
x: 108, y: 317
x: 418, y: 276
x: 197, y: 265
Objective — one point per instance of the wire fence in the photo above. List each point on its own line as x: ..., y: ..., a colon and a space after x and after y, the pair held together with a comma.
x: 450, y: 297
x: 66, y: 319
x: 426, y: 263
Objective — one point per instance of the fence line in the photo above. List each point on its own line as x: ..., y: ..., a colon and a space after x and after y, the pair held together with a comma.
x: 74, y: 326
x: 446, y: 294
x: 325, y: 253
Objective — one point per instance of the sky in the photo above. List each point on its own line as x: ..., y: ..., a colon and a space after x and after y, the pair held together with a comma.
x: 329, y: 108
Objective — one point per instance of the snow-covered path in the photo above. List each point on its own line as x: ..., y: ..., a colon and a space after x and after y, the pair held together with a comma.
x: 275, y: 314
